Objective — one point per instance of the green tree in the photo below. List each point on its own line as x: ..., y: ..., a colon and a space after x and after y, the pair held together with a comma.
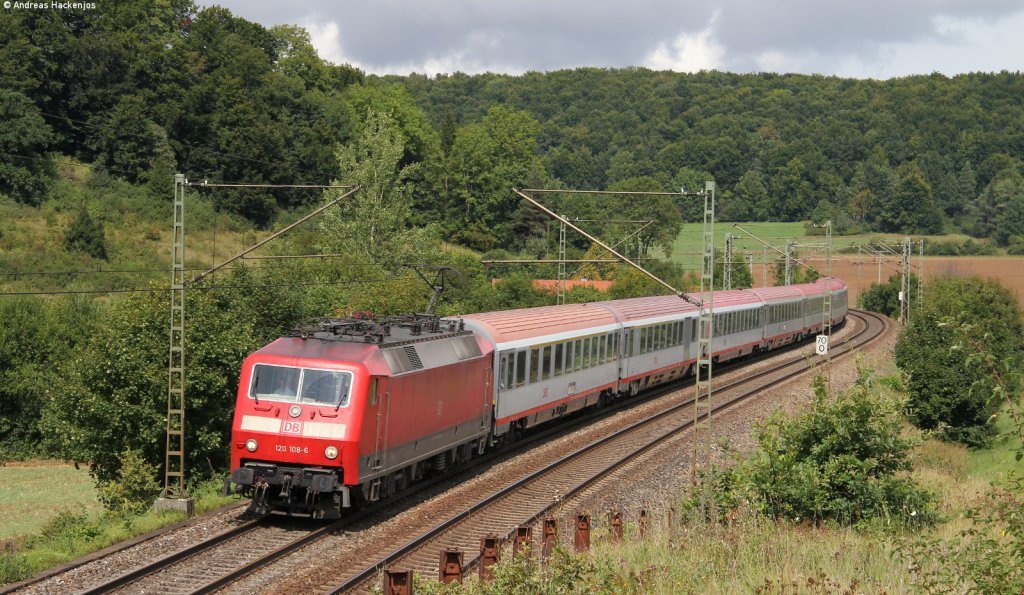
x: 25, y: 169
x: 941, y: 381
x: 791, y: 192
x: 113, y: 391
x: 371, y: 225
x: 36, y: 338
x: 661, y: 211
x: 134, y: 489
x: 750, y: 199
x: 86, y: 235
x: 741, y: 277
x: 130, y: 143
x: 801, y: 273
x: 911, y: 207
x: 489, y: 159
x: 1007, y: 193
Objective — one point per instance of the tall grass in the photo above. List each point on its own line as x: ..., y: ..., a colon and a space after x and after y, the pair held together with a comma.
x: 75, y: 532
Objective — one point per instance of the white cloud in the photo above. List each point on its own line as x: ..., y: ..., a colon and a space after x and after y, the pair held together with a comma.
x: 326, y: 38
x: 690, y: 52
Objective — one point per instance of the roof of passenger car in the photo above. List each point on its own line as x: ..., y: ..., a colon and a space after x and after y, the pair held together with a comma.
x: 511, y: 325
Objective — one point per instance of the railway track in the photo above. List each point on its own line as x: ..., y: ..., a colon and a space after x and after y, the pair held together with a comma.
x: 209, y: 564
x: 222, y: 562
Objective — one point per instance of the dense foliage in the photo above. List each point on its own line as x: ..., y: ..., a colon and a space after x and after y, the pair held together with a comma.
x: 86, y: 235
x: 144, y: 89
x: 884, y: 298
x: 844, y: 461
x: 945, y: 394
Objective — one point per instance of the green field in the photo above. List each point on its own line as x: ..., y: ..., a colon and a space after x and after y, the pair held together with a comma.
x: 687, y: 247
x: 33, y: 493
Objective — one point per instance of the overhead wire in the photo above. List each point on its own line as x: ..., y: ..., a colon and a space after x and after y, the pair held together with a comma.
x: 169, y: 270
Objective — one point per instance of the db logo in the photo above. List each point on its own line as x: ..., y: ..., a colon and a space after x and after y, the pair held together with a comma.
x: 292, y: 427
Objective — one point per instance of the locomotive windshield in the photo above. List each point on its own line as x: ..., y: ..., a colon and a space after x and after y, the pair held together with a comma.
x: 300, y: 385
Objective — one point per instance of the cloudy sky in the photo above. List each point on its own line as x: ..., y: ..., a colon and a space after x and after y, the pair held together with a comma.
x: 851, y: 38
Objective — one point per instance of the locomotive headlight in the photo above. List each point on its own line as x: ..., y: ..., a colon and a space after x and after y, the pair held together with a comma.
x: 331, y: 452
x: 250, y: 445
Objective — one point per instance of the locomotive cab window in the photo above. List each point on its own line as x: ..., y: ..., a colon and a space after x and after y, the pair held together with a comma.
x: 300, y: 385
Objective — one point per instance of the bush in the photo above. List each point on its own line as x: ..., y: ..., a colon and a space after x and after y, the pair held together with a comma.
x: 13, y: 566
x: 135, y: 487
x: 68, y: 530
x: 86, y: 235
x: 946, y: 390
x: 885, y: 298
x: 844, y: 461
x: 968, y: 247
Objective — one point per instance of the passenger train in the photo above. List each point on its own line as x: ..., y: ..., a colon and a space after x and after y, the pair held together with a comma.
x: 352, y: 410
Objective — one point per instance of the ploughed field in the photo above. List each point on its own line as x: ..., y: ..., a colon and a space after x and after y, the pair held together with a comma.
x: 859, y: 275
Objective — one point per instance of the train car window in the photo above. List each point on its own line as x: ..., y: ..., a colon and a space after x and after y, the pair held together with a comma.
x: 325, y: 387
x: 275, y: 383
x: 559, y: 354
x: 534, y: 364
x: 578, y: 355
x: 509, y: 369
x: 586, y: 352
x: 373, y: 391
x: 593, y: 351
x: 545, y: 358
x: 520, y: 367
x: 503, y: 382
x: 643, y: 340
x: 615, y: 346
x: 603, y: 356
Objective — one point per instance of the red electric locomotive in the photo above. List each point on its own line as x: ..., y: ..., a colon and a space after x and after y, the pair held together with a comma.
x: 350, y: 410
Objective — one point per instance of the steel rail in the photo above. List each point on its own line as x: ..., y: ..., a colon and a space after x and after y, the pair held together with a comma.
x: 277, y: 554
x: 153, y: 567
x: 114, y: 549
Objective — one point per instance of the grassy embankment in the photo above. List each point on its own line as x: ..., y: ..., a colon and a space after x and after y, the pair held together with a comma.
x: 51, y: 516
x: 757, y: 554
x: 137, y: 228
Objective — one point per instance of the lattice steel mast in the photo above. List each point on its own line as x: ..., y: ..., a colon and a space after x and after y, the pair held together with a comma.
x: 905, y: 281
x: 702, y: 405
x: 174, y: 495
x: 727, y: 271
